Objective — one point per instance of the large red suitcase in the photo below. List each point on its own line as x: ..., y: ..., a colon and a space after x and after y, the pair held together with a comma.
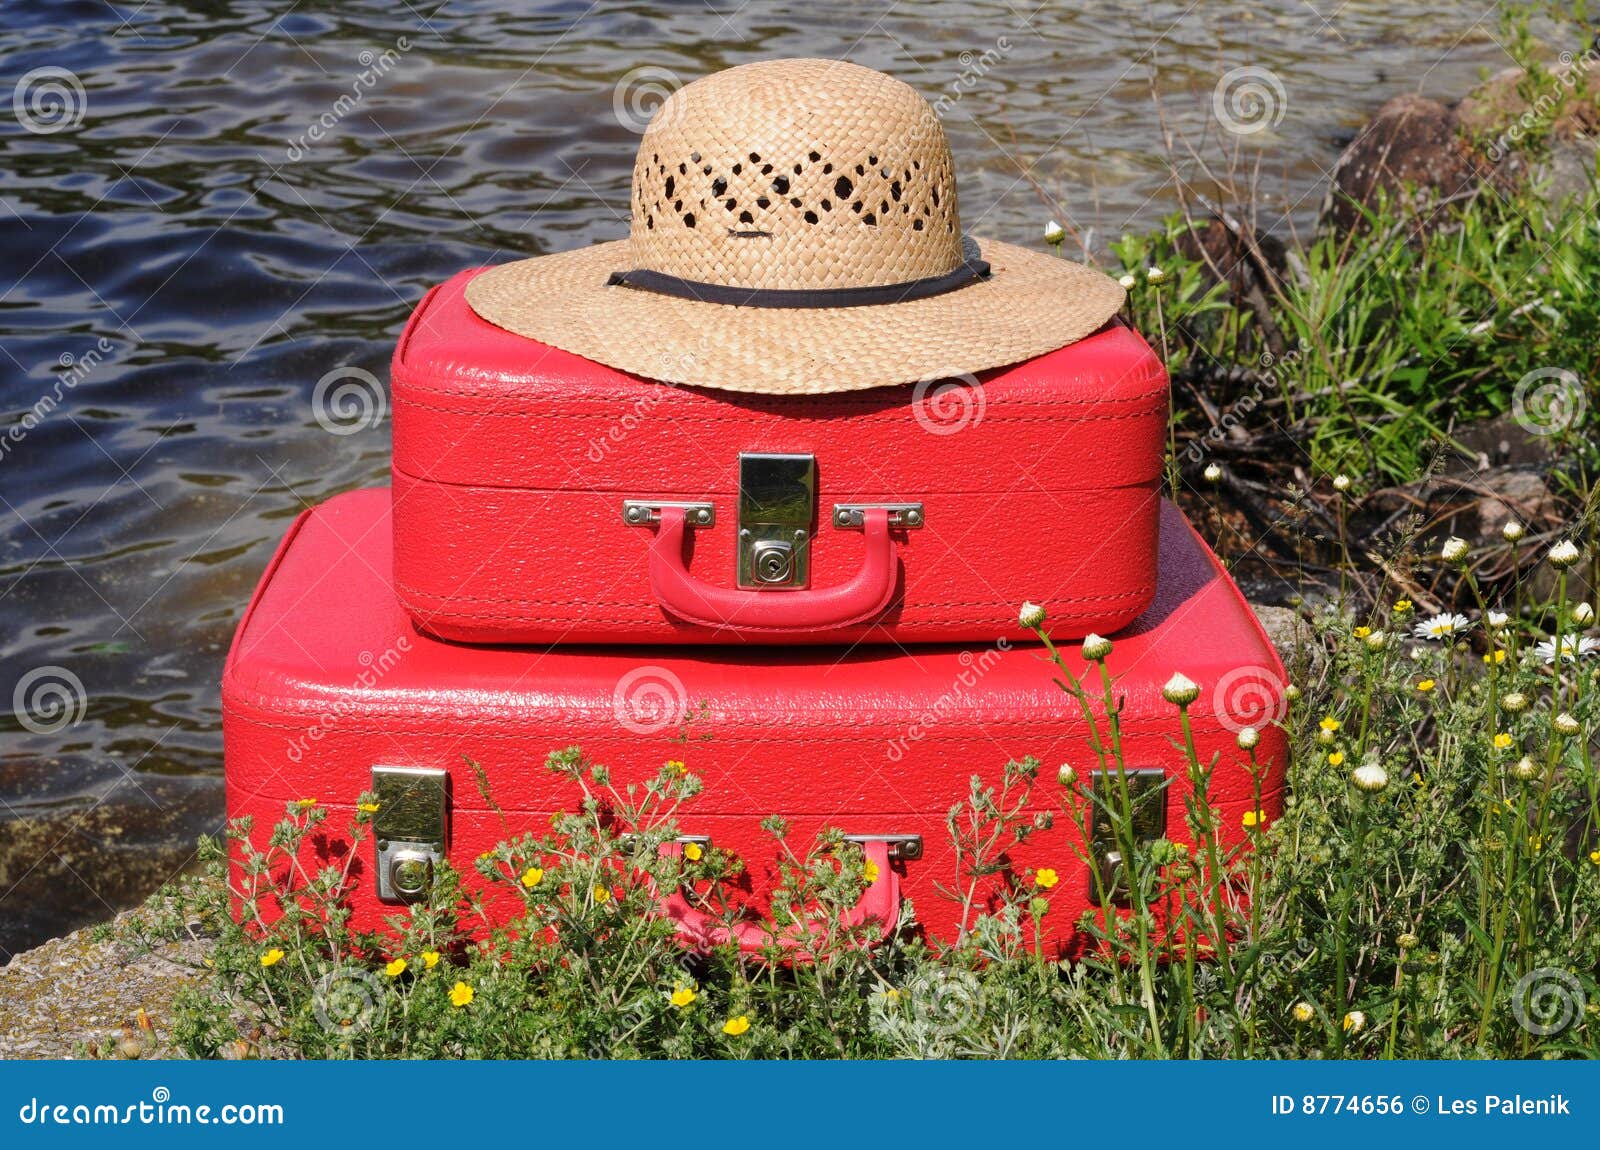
x: 328, y: 679
x: 543, y: 498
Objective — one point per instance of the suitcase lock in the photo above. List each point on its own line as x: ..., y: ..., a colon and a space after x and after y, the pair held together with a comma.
x: 409, y: 830
x: 1147, y: 804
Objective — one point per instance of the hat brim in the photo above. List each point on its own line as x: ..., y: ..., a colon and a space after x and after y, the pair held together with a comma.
x: 1030, y: 304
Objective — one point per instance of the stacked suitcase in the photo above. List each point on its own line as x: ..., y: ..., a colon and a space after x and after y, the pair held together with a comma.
x: 572, y: 555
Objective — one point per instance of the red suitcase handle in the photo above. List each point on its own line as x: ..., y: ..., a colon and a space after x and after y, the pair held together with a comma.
x: 680, y: 594
x: 880, y: 903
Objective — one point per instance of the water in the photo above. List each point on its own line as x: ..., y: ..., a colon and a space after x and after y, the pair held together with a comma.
x: 186, y: 262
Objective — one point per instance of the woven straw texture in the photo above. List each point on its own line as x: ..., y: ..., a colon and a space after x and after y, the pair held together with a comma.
x: 796, y: 174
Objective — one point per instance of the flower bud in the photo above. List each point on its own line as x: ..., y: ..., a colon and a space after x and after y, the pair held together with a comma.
x: 1249, y: 739
x: 1524, y: 770
x: 1408, y: 941
x: 1512, y: 531
x: 1128, y: 281
x: 1514, y: 703
x: 1341, y: 483
x: 1304, y: 1012
x: 1583, y: 615
x: 1355, y: 1022
x: 1212, y: 473
x: 1054, y: 233
x: 1563, y: 555
x: 1032, y: 616
x: 1155, y: 275
x: 1454, y: 550
x: 1377, y: 641
x: 1066, y: 776
x: 1497, y: 620
x: 1095, y: 647
x: 1370, y: 777
x: 1567, y: 725
x: 1180, y: 690
x: 1291, y: 692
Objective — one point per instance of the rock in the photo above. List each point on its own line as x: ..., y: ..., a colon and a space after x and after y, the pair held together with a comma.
x: 1290, y: 633
x: 1544, y: 137
x: 1414, y: 151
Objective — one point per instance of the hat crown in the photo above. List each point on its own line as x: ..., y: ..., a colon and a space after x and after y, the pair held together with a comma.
x: 795, y: 175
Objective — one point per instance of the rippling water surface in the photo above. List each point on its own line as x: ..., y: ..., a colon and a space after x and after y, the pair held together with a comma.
x: 185, y: 258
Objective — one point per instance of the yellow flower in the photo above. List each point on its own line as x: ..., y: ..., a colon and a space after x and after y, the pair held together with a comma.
x: 1045, y: 878
x: 1594, y: 857
x: 430, y: 959
x: 1402, y: 606
x: 367, y: 808
x: 303, y: 804
x: 1254, y: 818
x: 461, y: 994
x: 1355, y: 1022
x: 683, y: 996
x: 532, y: 877
x: 1502, y: 741
x: 1304, y: 1012
x: 1336, y: 758
x: 693, y: 852
x: 736, y: 1026
x: 869, y: 871
x: 1496, y: 657
x: 1361, y: 632
x: 1329, y: 723
x: 891, y: 995
x: 676, y: 767
x: 1426, y: 685
x: 396, y: 968
x: 601, y: 895
x: 272, y: 957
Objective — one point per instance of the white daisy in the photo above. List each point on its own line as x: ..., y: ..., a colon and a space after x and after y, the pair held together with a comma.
x: 1573, y: 648
x: 1441, y: 627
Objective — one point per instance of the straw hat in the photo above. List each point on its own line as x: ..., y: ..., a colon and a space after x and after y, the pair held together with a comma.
x: 795, y: 231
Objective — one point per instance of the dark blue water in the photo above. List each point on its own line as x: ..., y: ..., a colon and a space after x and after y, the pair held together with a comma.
x: 209, y: 208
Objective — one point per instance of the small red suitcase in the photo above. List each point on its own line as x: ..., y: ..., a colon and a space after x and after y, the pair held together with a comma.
x: 328, y: 681
x: 543, y: 498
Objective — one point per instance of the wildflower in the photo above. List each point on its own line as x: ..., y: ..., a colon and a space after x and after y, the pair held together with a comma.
x: 1336, y: 759
x: 1498, y: 620
x: 1155, y: 275
x: 1253, y: 819
x: 1566, y: 724
x: 1291, y: 692
x: 1583, y: 615
x: 1328, y: 723
x: 1514, y: 703
x: 1426, y: 685
x: 1512, y: 531
x: 1304, y: 1012
x: 1524, y: 770
x: 676, y: 767
x: 694, y: 852
x: 367, y: 808
x: 1402, y: 606
x: 1128, y: 281
x: 1377, y: 641
x: 683, y: 996
x: 736, y: 1026
x: 1095, y: 647
x: 1326, y: 737
x: 1495, y: 658
x: 1370, y: 777
x: 1408, y: 941
x: 1212, y: 473
x: 1502, y: 741
x: 271, y: 957
x: 1341, y: 483
x: 869, y: 871
x: 1355, y: 1022
x: 1594, y: 857
x: 1454, y: 550
x: 1032, y: 616
x: 1066, y: 776
x: 1361, y: 632
x: 1573, y: 648
x: 1054, y: 233
x: 1445, y: 626
x: 461, y: 994
x: 1563, y: 555
x: 601, y: 895
x: 395, y: 968
x: 430, y: 959
x: 305, y: 804
x: 1044, y: 878
x: 1249, y: 738
x: 1180, y: 691
x: 532, y: 877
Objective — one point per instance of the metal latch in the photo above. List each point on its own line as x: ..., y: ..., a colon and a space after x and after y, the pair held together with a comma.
x: 410, y: 829
x: 777, y: 505
x: 908, y: 847
x: 1147, y: 806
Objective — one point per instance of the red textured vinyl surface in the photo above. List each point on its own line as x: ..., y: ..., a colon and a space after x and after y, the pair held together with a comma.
x: 329, y: 675
x: 512, y: 459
